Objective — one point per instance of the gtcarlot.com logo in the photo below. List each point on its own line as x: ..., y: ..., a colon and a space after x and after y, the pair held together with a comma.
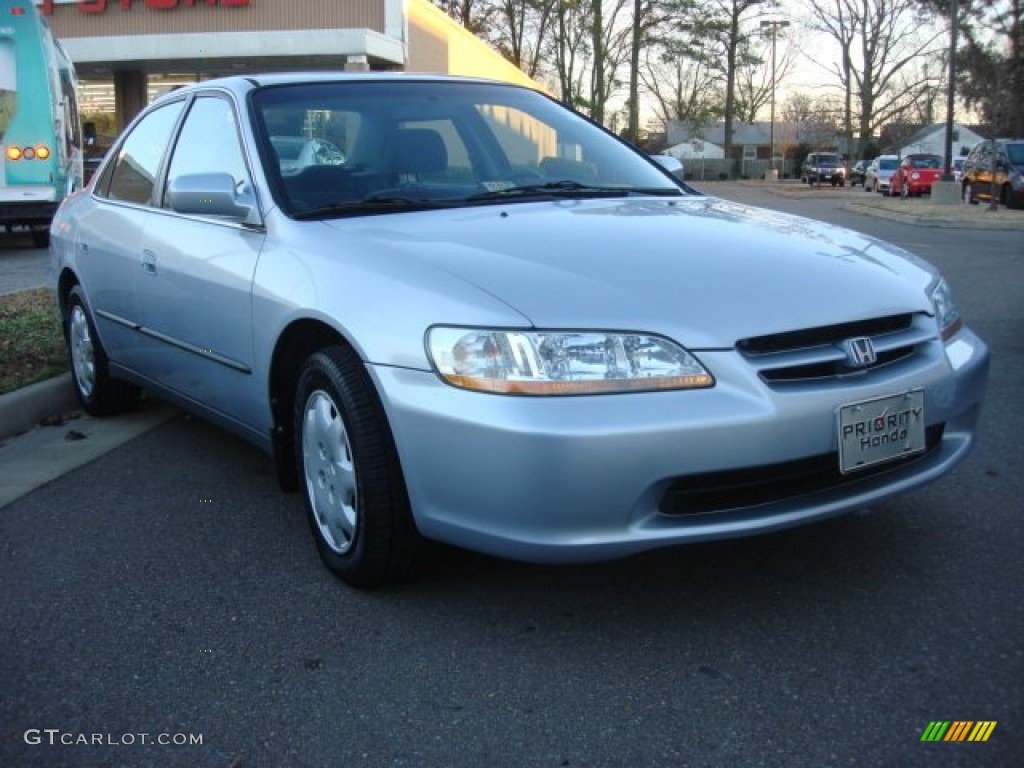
x: 55, y: 737
x: 958, y: 730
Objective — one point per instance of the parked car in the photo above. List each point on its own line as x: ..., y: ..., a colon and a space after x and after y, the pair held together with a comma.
x: 857, y: 173
x: 1007, y: 156
x: 916, y: 174
x: 824, y: 168
x: 497, y: 325
x: 879, y: 174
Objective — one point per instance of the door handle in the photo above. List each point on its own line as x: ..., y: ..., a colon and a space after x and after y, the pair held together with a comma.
x: 149, y: 262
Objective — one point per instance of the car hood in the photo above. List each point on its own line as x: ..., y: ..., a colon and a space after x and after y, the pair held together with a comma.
x: 704, y: 271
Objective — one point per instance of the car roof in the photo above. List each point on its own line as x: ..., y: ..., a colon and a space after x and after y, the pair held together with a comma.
x: 240, y: 85
x: 248, y: 82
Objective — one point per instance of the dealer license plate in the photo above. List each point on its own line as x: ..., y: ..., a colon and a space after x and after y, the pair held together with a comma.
x: 875, y: 431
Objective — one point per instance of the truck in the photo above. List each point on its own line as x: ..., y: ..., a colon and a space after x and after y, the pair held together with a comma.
x: 40, y: 132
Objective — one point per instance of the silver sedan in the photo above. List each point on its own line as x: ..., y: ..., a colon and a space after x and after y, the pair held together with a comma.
x: 482, y: 319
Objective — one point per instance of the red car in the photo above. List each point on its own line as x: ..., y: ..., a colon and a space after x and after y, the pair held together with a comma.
x: 916, y: 175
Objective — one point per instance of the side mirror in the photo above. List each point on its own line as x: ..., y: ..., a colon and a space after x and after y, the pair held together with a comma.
x: 671, y: 164
x: 211, y: 194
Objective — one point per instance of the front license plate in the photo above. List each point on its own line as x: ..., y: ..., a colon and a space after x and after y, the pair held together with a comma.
x: 875, y: 431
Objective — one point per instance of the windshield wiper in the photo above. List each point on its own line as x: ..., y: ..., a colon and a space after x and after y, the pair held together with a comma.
x: 372, y: 204
x: 567, y: 189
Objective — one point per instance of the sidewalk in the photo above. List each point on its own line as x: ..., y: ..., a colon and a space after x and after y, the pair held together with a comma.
x: 44, y: 434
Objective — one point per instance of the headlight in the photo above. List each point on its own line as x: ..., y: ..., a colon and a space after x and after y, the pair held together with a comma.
x: 947, y: 313
x: 561, y: 362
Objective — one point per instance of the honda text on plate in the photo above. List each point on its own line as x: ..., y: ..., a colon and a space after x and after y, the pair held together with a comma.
x: 455, y: 309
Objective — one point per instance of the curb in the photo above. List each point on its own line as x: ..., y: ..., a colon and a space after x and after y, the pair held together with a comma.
x: 24, y: 408
x: 937, y: 219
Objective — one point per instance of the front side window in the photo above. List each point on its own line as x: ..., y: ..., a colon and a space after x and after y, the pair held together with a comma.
x: 209, y: 142
x: 132, y: 175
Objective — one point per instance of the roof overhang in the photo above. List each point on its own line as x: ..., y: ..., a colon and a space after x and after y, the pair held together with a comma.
x: 315, y: 49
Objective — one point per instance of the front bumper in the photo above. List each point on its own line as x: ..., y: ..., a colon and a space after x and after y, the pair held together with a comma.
x: 586, y: 478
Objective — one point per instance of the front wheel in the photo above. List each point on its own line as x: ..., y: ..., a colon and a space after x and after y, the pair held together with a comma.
x: 350, y: 476
x: 97, y: 391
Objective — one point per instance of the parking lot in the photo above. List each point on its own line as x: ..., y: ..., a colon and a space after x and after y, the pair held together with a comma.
x: 166, y: 599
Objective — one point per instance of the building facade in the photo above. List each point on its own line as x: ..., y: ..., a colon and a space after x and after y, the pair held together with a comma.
x: 128, y: 51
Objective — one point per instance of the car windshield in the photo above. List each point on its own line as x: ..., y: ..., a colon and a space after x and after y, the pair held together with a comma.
x: 828, y: 159
x: 926, y: 162
x: 348, y: 148
x: 888, y: 163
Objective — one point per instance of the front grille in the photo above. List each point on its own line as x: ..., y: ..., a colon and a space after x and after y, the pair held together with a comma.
x: 814, y: 354
x: 742, y: 488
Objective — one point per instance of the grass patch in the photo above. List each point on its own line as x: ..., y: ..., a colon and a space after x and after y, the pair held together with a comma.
x: 31, y: 341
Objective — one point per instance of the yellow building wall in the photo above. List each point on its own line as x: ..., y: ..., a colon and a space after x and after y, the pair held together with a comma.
x: 438, y: 44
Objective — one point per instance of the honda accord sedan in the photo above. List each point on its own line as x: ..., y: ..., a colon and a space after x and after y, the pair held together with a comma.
x: 471, y: 315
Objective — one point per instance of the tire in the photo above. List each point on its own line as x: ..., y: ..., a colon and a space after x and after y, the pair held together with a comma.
x: 968, y: 194
x: 904, y: 190
x: 97, y: 391
x: 349, y: 474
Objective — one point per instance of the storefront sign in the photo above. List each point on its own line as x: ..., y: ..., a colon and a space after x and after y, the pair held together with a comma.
x: 100, y: 6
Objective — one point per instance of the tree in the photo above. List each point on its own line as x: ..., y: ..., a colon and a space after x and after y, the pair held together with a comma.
x: 883, y: 46
x: 649, y: 20
x: 725, y: 24
x: 754, y: 72
x: 474, y: 15
x: 681, y: 77
x: 990, y: 59
x: 569, y: 49
x: 521, y: 29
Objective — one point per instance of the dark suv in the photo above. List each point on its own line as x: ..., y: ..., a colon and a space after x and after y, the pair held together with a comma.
x: 824, y: 167
x: 1006, y: 156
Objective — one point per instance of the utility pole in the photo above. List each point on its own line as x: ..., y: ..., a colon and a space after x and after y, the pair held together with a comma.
x: 954, y: 23
x: 774, y: 25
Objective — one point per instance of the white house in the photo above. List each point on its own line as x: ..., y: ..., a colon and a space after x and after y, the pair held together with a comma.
x: 932, y: 140
x: 696, y: 149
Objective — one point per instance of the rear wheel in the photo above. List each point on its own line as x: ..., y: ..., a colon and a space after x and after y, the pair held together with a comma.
x: 350, y: 476
x: 98, y: 393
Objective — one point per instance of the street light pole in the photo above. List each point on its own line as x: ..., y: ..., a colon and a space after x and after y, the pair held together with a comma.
x: 774, y: 25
